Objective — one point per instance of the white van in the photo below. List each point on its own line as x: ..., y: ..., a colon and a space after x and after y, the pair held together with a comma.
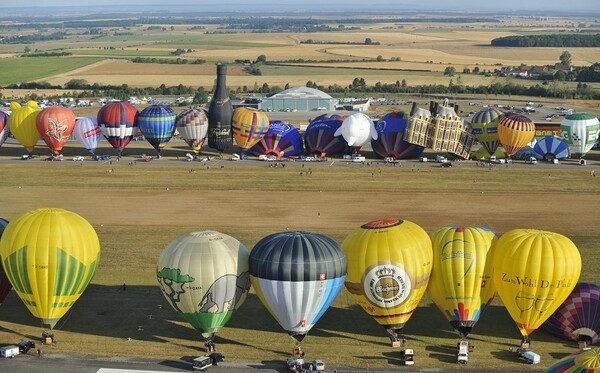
x: 358, y: 158
x: 9, y: 351
x: 529, y: 356
x: 462, y: 357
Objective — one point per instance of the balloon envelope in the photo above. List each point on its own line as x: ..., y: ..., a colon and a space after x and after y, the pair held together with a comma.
x: 119, y: 123
x: 461, y: 283
x: 88, y: 133
x: 389, y: 263
x: 390, y: 142
x: 551, y: 147
x: 249, y: 126
x: 357, y: 129
x: 22, y: 124
x: 157, y: 123
x: 192, y: 125
x: 578, y: 318
x: 584, y: 361
x: 484, y: 126
x: 204, y: 277
x: 55, y: 124
x: 319, y: 136
x: 49, y: 256
x: 534, y: 272
x: 581, y: 131
x: 281, y: 140
x: 297, y: 275
x: 5, y: 284
x: 515, y: 131
x: 3, y: 127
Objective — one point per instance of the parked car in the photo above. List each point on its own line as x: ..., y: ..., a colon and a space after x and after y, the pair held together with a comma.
x: 318, y: 365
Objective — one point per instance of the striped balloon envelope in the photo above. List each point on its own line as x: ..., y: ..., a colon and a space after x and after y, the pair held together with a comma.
x: 119, y: 123
x: 391, y: 130
x: 578, y: 318
x: 281, y: 140
x: 484, y: 126
x: 249, y: 126
x: 551, y: 147
x: 55, y: 124
x: 584, y: 361
x: 192, y: 126
x: 22, y: 124
x: 515, y: 131
x: 3, y: 127
x: 88, y: 133
x: 297, y: 275
x: 319, y: 138
x: 5, y: 284
x: 157, y: 123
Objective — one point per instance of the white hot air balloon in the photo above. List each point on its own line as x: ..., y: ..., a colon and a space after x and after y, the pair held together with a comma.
x: 357, y: 129
x: 88, y: 133
x: 581, y: 132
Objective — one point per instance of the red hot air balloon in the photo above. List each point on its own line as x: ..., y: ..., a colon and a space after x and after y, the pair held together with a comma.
x: 55, y: 124
x: 119, y: 123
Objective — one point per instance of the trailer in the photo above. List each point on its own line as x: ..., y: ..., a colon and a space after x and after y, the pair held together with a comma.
x: 9, y: 351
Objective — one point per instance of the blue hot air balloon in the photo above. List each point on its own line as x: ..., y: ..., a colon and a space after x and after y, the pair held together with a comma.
x: 88, y: 133
x: 578, y: 318
x: 297, y: 275
x: 551, y: 147
x: 3, y: 127
x: 281, y: 140
x: 390, y: 141
x: 157, y: 123
x: 319, y: 137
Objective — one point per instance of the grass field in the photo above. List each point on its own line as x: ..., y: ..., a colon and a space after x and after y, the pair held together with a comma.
x: 138, y: 209
x: 18, y: 70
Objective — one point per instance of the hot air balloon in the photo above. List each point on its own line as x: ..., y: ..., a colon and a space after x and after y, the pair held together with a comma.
x: 49, y: 256
x: 204, y: 277
x: 3, y: 127
x: 157, y: 123
x: 88, y: 133
x: 390, y: 141
x: 534, y: 272
x: 524, y: 153
x: 297, y: 275
x: 192, y: 125
x: 514, y: 132
x: 249, y: 126
x: 357, y: 129
x: 481, y: 153
x: 389, y: 263
x: 119, y: 123
x: 319, y: 138
x: 55, y: 124
x: 461, y: 277
x: 281, y: 140
x: 484, y: 126
x: 22, y: 124
x: 581, y: 131
x: 578, y: 318
x: 584, y: 361
x: 5, y: 284
x: 551, y: 147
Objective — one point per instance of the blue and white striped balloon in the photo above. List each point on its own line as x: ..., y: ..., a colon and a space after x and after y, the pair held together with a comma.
x: 157, y: 124
x: 550, y: 147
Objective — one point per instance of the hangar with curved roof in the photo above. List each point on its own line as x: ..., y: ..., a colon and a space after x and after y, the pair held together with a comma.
x: 300, y: 99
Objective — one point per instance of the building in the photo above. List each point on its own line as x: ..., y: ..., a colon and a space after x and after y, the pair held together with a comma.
x: 299, y: 99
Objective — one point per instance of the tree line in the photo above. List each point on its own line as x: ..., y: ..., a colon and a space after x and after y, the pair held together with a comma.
x: 171, y: 61
x: 33, y: 38
x: 550, y: 40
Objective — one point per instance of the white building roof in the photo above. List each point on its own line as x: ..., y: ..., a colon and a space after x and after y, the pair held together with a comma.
x: 302, y: 92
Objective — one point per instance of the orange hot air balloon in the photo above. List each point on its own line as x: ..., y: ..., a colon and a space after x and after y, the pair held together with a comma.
x: 55, y: 124
x: 515, y: 131
x: 249, y: 126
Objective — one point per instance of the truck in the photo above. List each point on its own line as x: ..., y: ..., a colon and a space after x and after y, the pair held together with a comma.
x: 462, y: 357
x: 9, y: 351
x: 407, y: 356
x: 202, y: 363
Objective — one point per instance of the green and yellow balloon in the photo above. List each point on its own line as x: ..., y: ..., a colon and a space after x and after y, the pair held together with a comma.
x: 49, y: 256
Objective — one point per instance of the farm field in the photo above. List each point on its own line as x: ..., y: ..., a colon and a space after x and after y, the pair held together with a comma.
x: 138, y: 208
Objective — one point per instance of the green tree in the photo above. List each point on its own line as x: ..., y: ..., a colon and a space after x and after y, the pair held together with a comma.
x: 368, y: 41
x: 261, y: 59
x: 565, y: 58
x: 476, y: 70
x: 201, y: 96
x: 27, y: 50
x: 380, y: 59
x: 449, y: 71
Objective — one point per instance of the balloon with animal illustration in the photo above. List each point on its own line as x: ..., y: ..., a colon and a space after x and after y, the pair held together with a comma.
x: 390, y: 142
x: 515, y: 131
x: 50, y: 256
x: 5, y: 284
x: 22, y: 124
x: 484, y: 126
x: 281, y: 140
x: 534, y: 272
x: 55, y: 124
x: 157, y: 123
x: 88, y: 133
x: 297, y: 275
x: 204, y: 277
x: 389, y: 264
x: 119, y: 123
x: 320, y: 139
x: 249, y: 126
x: 192, y: 126
x: 461, y: 283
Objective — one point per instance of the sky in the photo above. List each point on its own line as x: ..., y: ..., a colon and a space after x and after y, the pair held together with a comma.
x: 592, y: 6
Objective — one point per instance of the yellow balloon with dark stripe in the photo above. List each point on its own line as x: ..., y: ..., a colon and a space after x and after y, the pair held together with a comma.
x: 484, y: 126
x: 534, y: 273
x: 515, y: 131
x: 49, y: 256
x: 249, y: 126
x: 389, y: 263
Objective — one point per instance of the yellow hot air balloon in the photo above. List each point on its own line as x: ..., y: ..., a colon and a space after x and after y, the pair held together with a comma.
x: 49, y: 256
x: 249, y: 126
x: 461, y: 283
x: 389, y: 263
x: 515, y: 131
x: 534, y: 272
x: 22, y: 124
